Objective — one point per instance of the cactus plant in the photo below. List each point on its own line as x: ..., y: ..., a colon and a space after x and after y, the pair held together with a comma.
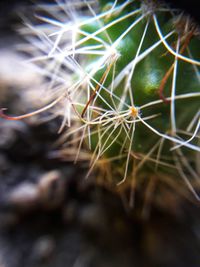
x: 125, y: 77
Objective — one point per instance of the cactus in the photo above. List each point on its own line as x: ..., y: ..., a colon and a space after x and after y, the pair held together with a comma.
x: 125, y: 77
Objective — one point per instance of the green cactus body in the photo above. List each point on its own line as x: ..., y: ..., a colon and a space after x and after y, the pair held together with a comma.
x: 145, y: 83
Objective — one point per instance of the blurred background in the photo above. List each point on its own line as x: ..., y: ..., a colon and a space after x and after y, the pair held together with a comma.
x: 49, y: 217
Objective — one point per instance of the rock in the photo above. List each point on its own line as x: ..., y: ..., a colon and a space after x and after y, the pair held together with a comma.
x: 24, y: 196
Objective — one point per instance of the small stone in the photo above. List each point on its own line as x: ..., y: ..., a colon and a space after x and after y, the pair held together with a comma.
x: 43, y: 248
x: 24, y: 196
x: 51, y: 188
x: 92, y: 218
